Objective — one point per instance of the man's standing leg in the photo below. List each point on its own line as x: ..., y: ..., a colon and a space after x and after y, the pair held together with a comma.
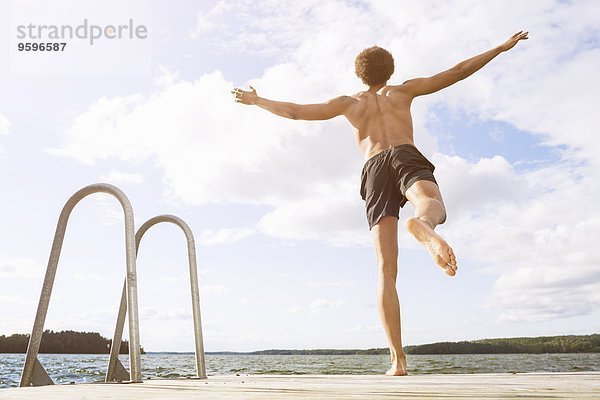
x: 385, y: 235
x: 425, y: 196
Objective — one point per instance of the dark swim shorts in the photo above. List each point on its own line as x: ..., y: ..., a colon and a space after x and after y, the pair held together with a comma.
x: 387, y: 176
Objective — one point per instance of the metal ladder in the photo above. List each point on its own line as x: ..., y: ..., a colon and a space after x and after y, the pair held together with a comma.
x: 116, y: 371
x: 34, y: 373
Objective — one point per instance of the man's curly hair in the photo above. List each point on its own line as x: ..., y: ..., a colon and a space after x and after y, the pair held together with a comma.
x: 374, y: 65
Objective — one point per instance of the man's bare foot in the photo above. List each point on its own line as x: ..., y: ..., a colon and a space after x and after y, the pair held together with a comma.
x: 437, y: 247
x: 395, y: 371
x: 398, y: 367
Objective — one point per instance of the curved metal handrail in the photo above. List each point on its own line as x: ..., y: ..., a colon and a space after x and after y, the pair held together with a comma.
x: 115, y: 370
x: 32, y: 368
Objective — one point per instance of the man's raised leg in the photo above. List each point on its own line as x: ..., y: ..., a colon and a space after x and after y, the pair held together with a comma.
x: 385, y: 235
x: 429, y: 212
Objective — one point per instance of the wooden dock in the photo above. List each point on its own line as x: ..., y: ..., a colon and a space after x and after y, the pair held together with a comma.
x: 580, y: 385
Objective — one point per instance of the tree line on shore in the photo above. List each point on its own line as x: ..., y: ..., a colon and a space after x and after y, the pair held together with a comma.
x: 71, y: 342
x: 64, y: 342
x: 533, y: 345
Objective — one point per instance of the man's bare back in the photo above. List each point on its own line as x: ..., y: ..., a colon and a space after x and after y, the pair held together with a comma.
x: 381, y: 119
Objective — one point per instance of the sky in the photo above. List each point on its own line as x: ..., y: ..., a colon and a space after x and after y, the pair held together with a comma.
x: 285, y: 256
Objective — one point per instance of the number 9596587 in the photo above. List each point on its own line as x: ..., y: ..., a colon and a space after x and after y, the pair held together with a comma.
x: 41, y: 46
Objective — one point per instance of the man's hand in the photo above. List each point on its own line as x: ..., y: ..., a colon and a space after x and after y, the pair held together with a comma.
x: 510, y: 43
x: 245, y: 97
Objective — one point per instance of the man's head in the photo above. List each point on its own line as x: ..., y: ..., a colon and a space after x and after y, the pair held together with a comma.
x: 374, y: 65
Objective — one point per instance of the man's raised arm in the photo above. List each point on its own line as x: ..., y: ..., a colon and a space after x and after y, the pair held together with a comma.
x: 421, y: 86
x: 321, y: 111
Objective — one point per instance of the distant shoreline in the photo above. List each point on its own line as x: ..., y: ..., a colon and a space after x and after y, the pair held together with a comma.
x: 568, y: 344
x: 63, y: 342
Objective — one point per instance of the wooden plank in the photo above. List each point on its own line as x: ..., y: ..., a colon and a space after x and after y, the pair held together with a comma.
x: 478, y: 386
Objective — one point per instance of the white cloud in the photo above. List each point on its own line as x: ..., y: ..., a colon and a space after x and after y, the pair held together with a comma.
x: 316, y: 307
x: 4, y: 125
x: 7, y: 299
x: 293, y: 310
x: 165, y: 77
x: 332, y: 213
x: 88, y: 276
x: 216, y: 150
x: 468, y: 187
x: 546, y: 292
x: 175, y: 279
x: 370, y: 329
x: 20, y: 268
x: 111, y: 211
x: 100, y: 320
x: 116, y: 177
x: 330, y: 284
x: 173, y: 313
x: 211, y: 20
x: 214, y: 289
x: 211, y: 237
x: 533, y: 239
x: 320, y: 305
x: 253, y: 27
x: 4, y: 128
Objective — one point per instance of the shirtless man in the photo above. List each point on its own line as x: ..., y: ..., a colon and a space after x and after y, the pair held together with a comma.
x: 394, y: 171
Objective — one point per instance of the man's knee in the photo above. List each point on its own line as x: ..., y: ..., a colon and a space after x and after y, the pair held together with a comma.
x: 432, y: 203
x: 442, y: 210
x: 443, y: 217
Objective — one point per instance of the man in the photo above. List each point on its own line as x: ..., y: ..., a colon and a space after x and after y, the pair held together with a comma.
x: 394, y: 171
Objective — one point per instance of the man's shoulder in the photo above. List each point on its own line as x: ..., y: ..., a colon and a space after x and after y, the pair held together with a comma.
x: 360, y: 95
x: 397, y: 88
x: 402, y: 88
x: 342, y: 98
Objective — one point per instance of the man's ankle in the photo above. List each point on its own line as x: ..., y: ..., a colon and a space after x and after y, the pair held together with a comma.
x: 395, y: 355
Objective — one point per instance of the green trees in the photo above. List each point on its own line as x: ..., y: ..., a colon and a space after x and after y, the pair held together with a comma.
x: 71, y: 342
x: 536, y: 345
x: 544, y: 344
x: 64, y: 342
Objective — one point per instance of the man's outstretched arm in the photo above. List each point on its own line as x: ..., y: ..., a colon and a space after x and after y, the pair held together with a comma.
x: 421, y: 86
x: 312, y: 112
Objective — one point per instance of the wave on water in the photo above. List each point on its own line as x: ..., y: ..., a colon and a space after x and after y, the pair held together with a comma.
x: 79, y: 368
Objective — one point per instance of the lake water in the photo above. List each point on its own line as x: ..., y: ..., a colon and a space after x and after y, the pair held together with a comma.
x: 66, y: 368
